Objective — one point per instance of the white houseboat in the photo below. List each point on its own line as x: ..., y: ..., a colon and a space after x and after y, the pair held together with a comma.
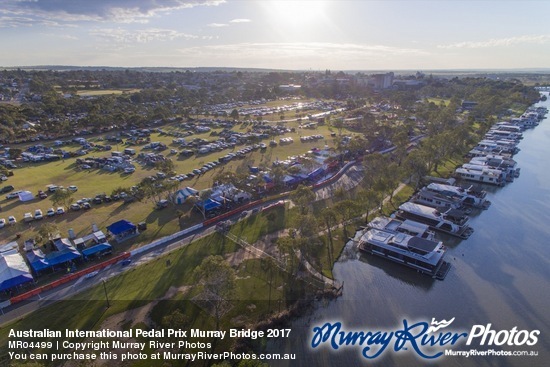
x: 481, y: 174
x: 407, y: 226
x: 505, y: 164
x: 417, y: 253
x: 452, y: 222
x: 438, y: 200
x: 467, y: 196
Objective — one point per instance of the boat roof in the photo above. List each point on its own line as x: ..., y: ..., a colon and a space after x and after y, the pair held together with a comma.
x: 422, y: 244
x: 423, y: 247
x: 412, y: 226
x: 418, y: 208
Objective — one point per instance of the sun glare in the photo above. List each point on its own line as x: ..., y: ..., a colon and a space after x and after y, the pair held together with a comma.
x: 297, y: 12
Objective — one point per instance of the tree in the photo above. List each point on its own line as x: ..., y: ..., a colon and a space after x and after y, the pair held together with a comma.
x: 339, y: 125
x: 166, y: 166
x: 218, y: 281
x: 48, y: 231
x: 285, y: 246
x: 328, y: 215
x: 302, y: 197
x: 175, y: 320
x: 234, y: 114
x: 15, y: 153
x: 62, y: 197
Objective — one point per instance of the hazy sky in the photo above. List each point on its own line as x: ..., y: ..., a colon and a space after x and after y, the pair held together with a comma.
x: 317, y: 35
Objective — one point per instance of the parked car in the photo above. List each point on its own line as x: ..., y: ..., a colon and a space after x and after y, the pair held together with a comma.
x: 60, y: 210
x: 27, y: 217
x: 13, y: 194
x: 12, y: 220
x: 38, y: 214
x: 42, y: 194
x: 86, y: 205
x: 2, y: 222
x: 75, y: 207
x: 7, y: 189
x: 162, y: 204
x: 50, y: 212
x: 72, y: 188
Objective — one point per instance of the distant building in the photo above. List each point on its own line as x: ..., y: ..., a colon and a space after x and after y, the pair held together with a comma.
x: 381, y: 81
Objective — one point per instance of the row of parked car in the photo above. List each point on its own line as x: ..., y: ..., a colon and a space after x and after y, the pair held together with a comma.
x: 29, y: 217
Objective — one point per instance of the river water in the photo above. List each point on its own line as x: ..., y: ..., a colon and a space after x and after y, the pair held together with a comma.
x: 500, y: 275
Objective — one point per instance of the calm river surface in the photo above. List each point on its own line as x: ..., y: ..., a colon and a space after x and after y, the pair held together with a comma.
x: 500, y: 275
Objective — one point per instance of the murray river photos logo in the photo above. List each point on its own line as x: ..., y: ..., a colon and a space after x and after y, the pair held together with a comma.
x: 427, y: 340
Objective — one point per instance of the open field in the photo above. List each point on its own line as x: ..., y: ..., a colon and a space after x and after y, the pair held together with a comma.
x: 35, y: 176
x: 439, y: 101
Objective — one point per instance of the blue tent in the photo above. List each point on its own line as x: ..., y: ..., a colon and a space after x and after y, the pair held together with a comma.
x: 182, y: 195
x: 99, y: 248
x: 122, y: 230
x: 13, y: 270
x: 121, y: 226
x: 66, y: 252
x: 208, y: 204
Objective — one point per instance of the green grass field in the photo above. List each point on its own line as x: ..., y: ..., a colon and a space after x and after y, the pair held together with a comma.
x: 35, y: 176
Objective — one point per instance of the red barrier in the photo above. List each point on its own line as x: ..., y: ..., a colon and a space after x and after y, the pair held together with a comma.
x: 68, y: 278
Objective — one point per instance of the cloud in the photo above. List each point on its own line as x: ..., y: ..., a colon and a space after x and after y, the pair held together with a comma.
x: 123, y: 36
x: 499, y: 42
x: 240, y: 21
x: 121, y: 11
x: 24, y: 21
x: 295, y: 51
x: 218, y: 25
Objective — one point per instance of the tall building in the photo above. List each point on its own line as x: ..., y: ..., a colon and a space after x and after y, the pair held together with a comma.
x: 381, y: 81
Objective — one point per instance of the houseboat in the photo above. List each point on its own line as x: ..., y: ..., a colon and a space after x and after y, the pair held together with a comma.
x: 423, y: 255
x: 505, y: 164
x: 438, y: 200
x: 507, y: 146
x: 407, y: 226
x: 468, y: 196
x: 508, y: 126
x: 452, y: 221
x: 481, y: 174
x: 495, y: 134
